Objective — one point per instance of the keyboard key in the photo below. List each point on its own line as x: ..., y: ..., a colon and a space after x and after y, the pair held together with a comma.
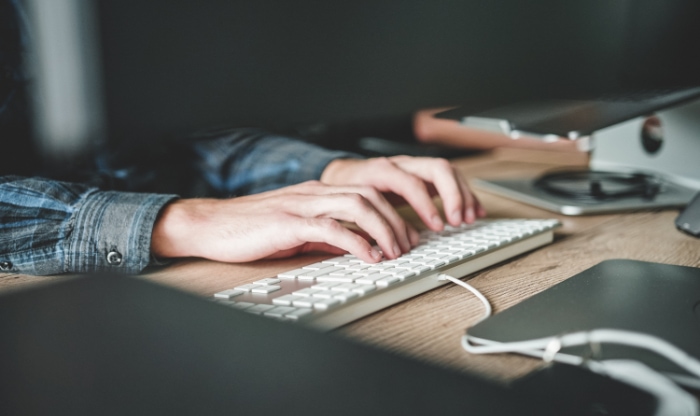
x: 325, y: 285
x: 344, y: 263
x: 225, y: 302
x: 434, y: 264
x: 228, y: 294
x: 335, y: 260
x: 405, y: 274
x: 379, y: 267
x: 395, y: 263
x: 345, y: 296
x: 317, y: 266
x: 268, y: 281
x: 387, y: 281
x: 357, y: 267
x: 372, y: 278
x: 266, y: 289
x: 243, y: 305
x: 338, y: 279
x: 345, y: 287
x: 324, y: 294
x: 308, y: 292
x: 364, y: 289
x: 342, y: 272
x: 279, y: 311
x: 304, y: 303
x: 312, y: 274
x: 324, y: 304
x: 364, y: 272
x: 298, y: 313
x: 466, y: 253
x: 246, y: 288
x: 259, y: 309
x: 286, y: 300
x: 292, y: 274
x: 418, y: 267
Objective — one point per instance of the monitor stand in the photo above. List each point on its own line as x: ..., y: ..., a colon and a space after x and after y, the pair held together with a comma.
x: 665, y: 145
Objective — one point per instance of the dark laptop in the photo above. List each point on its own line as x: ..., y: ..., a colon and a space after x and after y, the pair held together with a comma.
x: 651, y: 298
x: 124, y: 346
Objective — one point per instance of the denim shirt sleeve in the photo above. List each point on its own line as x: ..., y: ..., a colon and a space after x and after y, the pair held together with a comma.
x: 248, y: 161
x: 50, y: 227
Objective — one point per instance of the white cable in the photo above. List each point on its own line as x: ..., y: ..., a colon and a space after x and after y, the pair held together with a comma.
x: 671, y: 398
x: 596, y: 336
x: 472, y: 289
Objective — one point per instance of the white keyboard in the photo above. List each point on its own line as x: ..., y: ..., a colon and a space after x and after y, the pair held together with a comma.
x: 340, y: 290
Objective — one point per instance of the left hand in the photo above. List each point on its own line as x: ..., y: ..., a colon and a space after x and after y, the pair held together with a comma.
x: 417, y: 180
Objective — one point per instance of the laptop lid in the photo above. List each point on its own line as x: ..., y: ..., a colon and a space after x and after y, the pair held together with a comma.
x: 125, y: 346
x: 651, y: 298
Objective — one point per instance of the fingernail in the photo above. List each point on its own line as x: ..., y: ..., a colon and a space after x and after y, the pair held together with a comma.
x: 456, y: 217
x: 397, y: 250
x: 470, y: 215
x: 375, y: 254
x: 414, y: 238
x: 437, y: 221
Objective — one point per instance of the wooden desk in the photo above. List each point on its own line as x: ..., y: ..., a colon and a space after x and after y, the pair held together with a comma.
x: 428, y: 327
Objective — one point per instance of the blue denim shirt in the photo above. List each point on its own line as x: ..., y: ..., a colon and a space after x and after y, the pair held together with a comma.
x: 50, y: 227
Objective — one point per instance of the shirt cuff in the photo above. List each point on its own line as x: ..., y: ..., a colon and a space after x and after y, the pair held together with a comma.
x: 111, y: 232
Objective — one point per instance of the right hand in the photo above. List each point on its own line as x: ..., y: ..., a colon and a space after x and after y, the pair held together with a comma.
x: 282, y: 223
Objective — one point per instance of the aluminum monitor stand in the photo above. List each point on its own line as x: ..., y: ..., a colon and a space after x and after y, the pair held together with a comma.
x: 666, y: 145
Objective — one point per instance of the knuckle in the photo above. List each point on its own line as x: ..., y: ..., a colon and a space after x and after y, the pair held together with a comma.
x: 329, y: 224
x: 382, y: 162
x: 415, y: 183
x: 356, y: 199
x: 443, y: 164
x: 370, y: 192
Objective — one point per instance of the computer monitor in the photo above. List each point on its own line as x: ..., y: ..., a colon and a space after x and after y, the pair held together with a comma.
x: 130, y: 70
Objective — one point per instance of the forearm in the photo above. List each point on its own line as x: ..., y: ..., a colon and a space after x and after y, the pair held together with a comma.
x: 51, y: 227
x: 249, y: 161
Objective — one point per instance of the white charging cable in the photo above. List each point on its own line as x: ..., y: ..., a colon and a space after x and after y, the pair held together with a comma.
x: 671, y: 398
x: 479, y: 295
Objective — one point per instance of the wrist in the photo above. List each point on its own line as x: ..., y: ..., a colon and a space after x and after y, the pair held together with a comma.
x: 336, y: 172
x: 172, y: 231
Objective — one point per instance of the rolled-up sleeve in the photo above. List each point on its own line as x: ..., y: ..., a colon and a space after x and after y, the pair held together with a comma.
x: 51, y: 227
x: 248, y: 161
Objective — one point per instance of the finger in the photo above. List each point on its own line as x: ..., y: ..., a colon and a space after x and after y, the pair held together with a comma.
x: 329, y: 231
x: 478, y: 207
x: 480, y: 210
x: 445, y: 179
x: 469, y: 214
x: 398, y: 225
x: 472, y: 206
x: 307, y: 248
x: 413, y: 235
x: 354, y: 208
x: 412, y: 189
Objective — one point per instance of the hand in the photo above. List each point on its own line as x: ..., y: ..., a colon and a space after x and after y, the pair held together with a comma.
x: 281, y: 223
x: 417, y: 180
